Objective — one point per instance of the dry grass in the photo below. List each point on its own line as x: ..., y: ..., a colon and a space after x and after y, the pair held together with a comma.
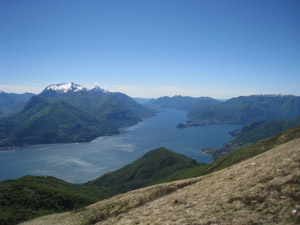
x: 114, y: 206
x: 261, y: 190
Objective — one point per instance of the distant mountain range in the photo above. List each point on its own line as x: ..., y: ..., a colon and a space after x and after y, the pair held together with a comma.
x: 245, y: 109
x: 240, y: 110
x: 180, y: 102
x: 142, y: 100
x: 11, y: 103
x: 68, y: 112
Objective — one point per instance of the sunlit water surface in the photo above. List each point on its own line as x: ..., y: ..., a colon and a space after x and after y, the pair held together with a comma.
x: 81, y: 162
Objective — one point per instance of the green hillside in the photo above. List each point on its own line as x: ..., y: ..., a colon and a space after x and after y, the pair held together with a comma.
x: 257, y: 131
x: 42, y: 121
x: 150, y: 169
x: 29, y: 197
x: 120, y: 110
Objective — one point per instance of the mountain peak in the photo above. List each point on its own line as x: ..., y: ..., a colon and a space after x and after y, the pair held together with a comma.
x: 70, y: 86
x: 96, y: 89
x: 64, y: 87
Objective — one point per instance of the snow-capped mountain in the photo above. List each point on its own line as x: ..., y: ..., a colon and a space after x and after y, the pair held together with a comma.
x: 71, y: 87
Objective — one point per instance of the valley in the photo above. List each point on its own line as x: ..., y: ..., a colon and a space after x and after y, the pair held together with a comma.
x: 102, y: 143
x: 240, y: 110
x: 113, y: 165
x: 150, y: 112
x: 81, y: 162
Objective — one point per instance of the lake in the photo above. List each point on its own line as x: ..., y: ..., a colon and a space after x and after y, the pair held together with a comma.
x: 81, y: 162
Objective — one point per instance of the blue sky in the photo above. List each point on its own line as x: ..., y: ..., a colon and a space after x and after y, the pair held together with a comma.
x: 152, y: 48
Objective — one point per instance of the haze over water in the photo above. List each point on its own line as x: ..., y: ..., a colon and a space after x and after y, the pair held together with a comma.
x: 81, y: 162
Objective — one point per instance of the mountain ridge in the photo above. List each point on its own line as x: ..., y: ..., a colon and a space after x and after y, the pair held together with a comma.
x: 61, y: 110
x: 11, y: 103
x: 179, y: 102
x: 100, y: 104
x: 151, y: 168
x: 245, y: 109
x: 69, y: 87
x: 238, y: 110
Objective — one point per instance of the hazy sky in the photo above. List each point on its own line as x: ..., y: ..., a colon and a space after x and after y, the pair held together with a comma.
x: 151, y: 48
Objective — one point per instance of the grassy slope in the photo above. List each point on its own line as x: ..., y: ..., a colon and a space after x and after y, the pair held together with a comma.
x: 261, y: 190
x: 239, y: 155
x: 29, y: 197
x: 150, y: 169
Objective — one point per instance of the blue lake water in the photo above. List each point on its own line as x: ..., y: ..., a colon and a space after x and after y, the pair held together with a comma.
x: 81, y: 162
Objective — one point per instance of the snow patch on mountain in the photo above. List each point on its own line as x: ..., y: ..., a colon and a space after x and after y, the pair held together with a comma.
x: 66, y: 87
